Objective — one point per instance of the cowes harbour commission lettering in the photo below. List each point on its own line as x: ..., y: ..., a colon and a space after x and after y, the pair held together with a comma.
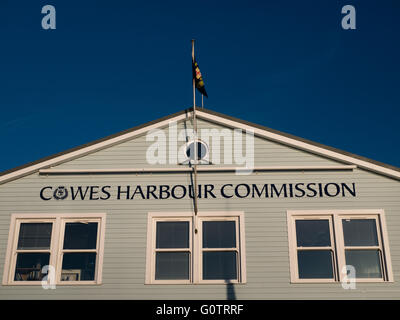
x: 205, y: 191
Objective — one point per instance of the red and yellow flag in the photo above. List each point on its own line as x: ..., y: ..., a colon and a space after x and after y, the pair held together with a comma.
x: 198, y: 79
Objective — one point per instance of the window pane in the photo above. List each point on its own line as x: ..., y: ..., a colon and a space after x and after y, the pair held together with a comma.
x: 219, y: 234
x: 366, y: 262
x: 313, y: 233
x: 360, y: 232
x: 201, y: 151
x: 172, y: 265
x: 174, y: 234
x: 315, y: 264
x: 78, y: 266
x: 34, y: 236
x: 80, y: 235
x: 219, y: 265
x: 29, y: 266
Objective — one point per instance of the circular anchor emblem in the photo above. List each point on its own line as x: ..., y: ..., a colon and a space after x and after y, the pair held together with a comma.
x: 60, y: 193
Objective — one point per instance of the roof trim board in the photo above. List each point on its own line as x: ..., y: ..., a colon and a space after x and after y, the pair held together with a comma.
x: 212, y: 116
x: 304, y: 144
x: 199, y: 169
x: 87, y: 148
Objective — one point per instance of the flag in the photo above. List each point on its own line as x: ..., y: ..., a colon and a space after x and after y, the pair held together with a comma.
x: 198, y: 79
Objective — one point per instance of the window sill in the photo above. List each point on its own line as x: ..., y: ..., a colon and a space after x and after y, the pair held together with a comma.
x: 203, y: 282
x: 39, y: 283
x: 318, y: 281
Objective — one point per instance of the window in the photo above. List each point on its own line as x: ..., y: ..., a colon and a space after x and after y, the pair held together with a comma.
x: 362, y: 247
x: 202, y: 151
x: 71, y: 244
x: 315, y: 251
x: 323, y: 243
x: 173, y: 250
x: 33, y: 250
x: 220, y: 249
x: 207, y: 248
x: 79, y: 253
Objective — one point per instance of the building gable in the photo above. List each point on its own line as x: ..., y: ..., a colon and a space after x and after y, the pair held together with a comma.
x: 128, y: 149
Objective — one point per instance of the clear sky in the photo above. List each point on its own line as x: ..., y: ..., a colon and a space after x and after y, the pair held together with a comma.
x: 112, y: 65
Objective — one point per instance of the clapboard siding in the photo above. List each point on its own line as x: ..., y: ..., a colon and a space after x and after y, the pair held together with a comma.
x: 133, y: 153
x: 266, y: 240
x: 266, y: 235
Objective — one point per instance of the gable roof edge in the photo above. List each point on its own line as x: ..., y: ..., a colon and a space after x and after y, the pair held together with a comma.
x: 259, y: 130
x: 90, y: 147
x: 303, y: 144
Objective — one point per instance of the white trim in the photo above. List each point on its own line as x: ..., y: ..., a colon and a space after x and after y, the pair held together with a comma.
x: 204, y: 168
x: 58, y: 220
x: 336, y: 217
x: 217, y: 119
x: 154, y: 253
x: 86, y: 150
x: 236, y: 249
x: 196, y: 246
x: 203, y: 160
x: 331, y: 248
x: 299, y: 144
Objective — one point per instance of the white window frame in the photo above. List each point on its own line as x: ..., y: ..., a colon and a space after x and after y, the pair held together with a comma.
x: 190, y: 249
x: 203, y: 160
x: 196, y: 244
x: 338, y: 247
x: 56, y: 245
x: 331, y: 248
x: 235, y: 249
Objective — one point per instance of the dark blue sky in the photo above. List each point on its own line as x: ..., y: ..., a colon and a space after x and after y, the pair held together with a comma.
x: 112, y: 65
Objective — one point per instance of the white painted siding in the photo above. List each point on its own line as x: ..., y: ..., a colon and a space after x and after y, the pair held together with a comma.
x: 267, y: 257
x: 132, y: 154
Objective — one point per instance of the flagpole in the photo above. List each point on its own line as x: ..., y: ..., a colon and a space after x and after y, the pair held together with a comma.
x: 194, y: 88
x: 195, y: 143
x: 202, y: 101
